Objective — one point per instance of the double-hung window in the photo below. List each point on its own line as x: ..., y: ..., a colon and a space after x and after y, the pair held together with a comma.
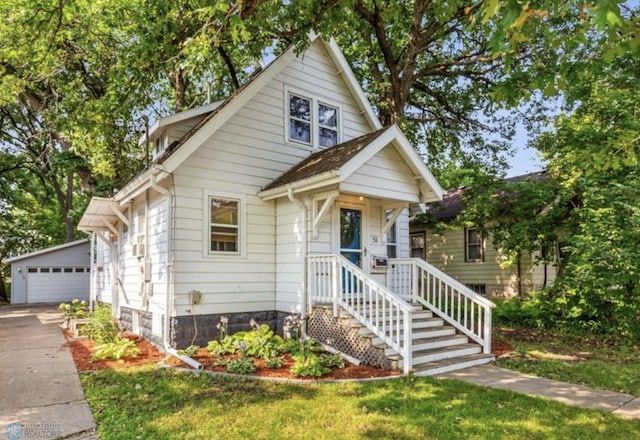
x: 312, y: 122
x: 224, y: 225
x: 299, y: 119
x: 474, y: 249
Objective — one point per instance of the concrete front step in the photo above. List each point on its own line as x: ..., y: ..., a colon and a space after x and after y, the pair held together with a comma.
x: 453, y: 364
x: 433, y: 343
x: 437, y: 354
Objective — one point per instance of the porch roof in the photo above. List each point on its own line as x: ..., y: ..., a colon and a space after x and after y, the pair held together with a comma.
x: 102, y: 214
x: 334, y: 165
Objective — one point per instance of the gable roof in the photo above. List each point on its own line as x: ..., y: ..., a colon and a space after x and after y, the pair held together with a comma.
x: 324, y: 161
x: 334, y: 165
x: 227, y: 108
x: 47, y: 250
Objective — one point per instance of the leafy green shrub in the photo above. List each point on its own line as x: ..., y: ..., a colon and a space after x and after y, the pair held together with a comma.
x: 308, y: 366
x: 331, y: 360
x: 261, y: 341
x: 102, y: 327
x: 304, y: 347
x: 220, y: 362
x: 243, y: 365
x: 226, y: 346
x: 75, y: 310
x: 528, y: 313
x: 117, y: 349
x: 274, y: 362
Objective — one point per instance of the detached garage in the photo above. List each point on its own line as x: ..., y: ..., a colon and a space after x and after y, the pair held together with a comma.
x: 52, y: 275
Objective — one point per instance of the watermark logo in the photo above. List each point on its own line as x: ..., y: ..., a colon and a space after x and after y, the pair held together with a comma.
x: 14, y: 431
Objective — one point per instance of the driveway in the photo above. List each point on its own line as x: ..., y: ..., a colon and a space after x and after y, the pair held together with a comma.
x: 40, y: 392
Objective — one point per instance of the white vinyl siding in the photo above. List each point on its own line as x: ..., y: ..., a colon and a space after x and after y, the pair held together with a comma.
x: 385, y: 175
x: 242, y: 157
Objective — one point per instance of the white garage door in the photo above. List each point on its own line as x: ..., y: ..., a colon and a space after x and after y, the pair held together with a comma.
x: 57, y: 284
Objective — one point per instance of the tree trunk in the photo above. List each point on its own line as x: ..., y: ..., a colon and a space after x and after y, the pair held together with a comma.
x: 3, y: 289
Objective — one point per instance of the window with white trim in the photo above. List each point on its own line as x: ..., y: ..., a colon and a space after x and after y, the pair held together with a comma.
x: 327, y: 125
x: 392, y: 236
x: 474, y: 248
x: 312, y: 122
x: 224, y: 225
x: 299, y: 119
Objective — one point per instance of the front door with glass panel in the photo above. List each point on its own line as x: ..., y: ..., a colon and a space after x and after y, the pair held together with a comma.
x: 351, y: 246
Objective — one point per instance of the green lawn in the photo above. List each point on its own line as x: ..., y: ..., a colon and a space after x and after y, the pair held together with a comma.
x: 153, y: 403
x: 593, y: 361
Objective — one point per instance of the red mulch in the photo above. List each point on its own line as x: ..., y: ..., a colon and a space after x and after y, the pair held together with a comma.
x: 500, y: 347
x: 82, y: 349
x: 350, y: 371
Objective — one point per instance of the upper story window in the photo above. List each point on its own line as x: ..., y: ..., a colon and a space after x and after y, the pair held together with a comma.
x: 299, y: 119
x: 312, y: 122
x: 159, y: 146
x: 224, y: 225
x: 327, y: 125
x: 474, y: 249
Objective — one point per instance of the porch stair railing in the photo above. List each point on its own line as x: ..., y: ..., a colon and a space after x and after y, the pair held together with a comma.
x: 417, y: 281
x: 332, y: 279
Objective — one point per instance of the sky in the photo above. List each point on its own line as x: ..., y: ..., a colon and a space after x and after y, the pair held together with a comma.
x: 526, y: 159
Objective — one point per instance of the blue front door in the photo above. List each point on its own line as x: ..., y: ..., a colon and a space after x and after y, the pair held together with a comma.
x: 351, y: 235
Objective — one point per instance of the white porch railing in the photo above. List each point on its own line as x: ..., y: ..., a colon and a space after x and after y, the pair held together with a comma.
x: 332, y: 279
x: 418, y: 281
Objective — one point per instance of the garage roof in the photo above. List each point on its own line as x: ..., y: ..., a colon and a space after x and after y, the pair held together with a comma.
x: 47, y: 250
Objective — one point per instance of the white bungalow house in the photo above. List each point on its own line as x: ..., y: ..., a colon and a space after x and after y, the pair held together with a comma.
x: 289, y: 197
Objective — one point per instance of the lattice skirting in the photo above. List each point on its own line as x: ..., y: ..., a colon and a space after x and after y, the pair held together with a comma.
x: 339, y: 334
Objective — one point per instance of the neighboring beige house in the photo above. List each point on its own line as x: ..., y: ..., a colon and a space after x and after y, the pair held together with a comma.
x: 472, y: 259
x: 288, y: 197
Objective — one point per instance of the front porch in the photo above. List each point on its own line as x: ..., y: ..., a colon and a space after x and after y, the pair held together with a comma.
x: 420, y: 319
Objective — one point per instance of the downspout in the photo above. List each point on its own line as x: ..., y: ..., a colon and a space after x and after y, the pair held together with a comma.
x: 305, y: 214
x: 169, y: 293
x: 92, y: 275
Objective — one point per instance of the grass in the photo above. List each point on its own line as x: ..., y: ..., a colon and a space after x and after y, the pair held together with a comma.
x: 151, y: 403
x: 594, y: 361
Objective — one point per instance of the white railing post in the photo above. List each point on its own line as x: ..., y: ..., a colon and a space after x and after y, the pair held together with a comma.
x: 487, y: 330
x: 335, y: 286
x: 407, y: 346
x: 414, y: 280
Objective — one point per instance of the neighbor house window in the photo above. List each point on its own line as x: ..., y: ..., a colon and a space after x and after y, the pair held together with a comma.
x: 417, y: 245
x: 224, y: 225
x: 299, y: 119
x: 312, y: 122
x: 473, y: 245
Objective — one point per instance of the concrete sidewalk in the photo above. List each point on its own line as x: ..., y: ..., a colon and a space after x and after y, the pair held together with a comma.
x: 623, y: 405
x: 40, y: 392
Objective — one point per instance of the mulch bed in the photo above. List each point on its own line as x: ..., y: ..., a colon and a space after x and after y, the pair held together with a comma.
x: 82, y: 349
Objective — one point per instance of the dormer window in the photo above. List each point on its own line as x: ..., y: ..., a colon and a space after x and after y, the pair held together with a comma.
x: 312, y: 122
x: 159, y: 146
